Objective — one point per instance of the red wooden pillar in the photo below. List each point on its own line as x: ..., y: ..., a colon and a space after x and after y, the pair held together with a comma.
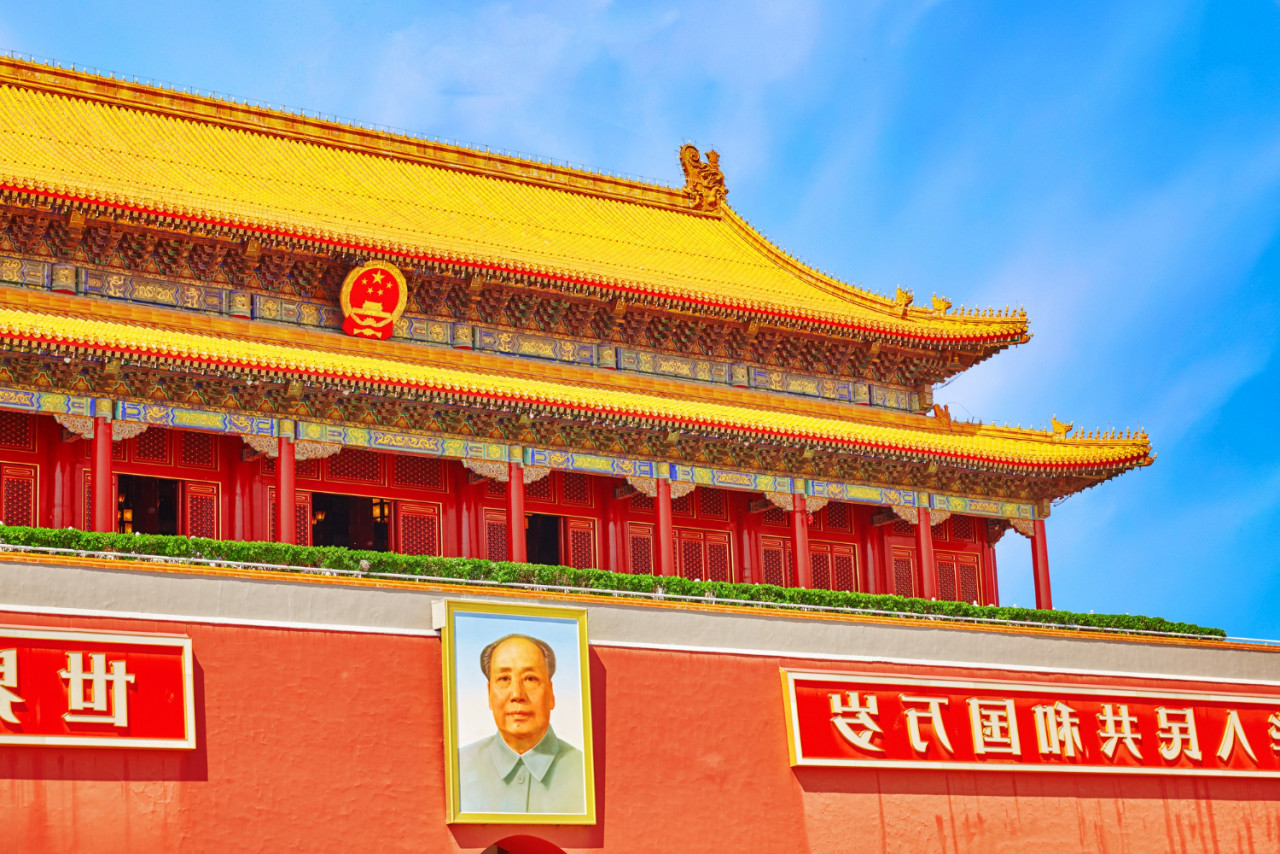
x: 286, y: 494
x: 1040, y: 568
x: 63, y: 477
x: 801, y: 560
x: 872, y: 547
x: 515, y: 513
x: 666, y: 548
x: 928, y: 566
x: 104, y: 504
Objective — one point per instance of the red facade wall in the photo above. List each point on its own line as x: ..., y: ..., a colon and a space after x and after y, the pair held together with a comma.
x: 331, y: 741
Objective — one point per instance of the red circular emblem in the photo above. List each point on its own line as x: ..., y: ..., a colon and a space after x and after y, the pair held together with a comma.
x: 373, y: 298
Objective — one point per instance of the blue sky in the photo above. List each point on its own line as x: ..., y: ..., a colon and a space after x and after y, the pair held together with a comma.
x: 1113, y: 167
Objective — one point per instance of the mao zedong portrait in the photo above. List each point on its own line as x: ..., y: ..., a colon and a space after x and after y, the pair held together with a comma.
x: 523, y: 767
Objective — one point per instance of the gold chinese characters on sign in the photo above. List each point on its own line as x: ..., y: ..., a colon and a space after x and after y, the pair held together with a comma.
x: 373, y: 298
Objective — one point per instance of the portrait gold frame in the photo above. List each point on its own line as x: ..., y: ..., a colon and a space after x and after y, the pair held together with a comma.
x: 449, y: 653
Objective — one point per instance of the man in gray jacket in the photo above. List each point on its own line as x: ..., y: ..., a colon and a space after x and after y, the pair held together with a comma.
x: 523, y: 767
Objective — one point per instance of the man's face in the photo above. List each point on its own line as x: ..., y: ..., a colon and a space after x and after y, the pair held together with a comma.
x: 520, y: 693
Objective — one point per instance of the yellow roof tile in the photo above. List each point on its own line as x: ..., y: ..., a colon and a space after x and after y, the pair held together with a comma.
x: 117, y: 144
x: 754, y: 412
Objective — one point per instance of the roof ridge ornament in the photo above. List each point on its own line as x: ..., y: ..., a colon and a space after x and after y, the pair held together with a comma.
x: 703, y: 182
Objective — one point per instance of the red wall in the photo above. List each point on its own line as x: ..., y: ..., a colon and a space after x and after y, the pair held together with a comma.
x: 331, y: 741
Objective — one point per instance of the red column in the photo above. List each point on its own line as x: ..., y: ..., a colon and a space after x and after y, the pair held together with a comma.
x: 872, y: 545
x: 1040, y: 567
x: 666, y: 553
x: 928, y: 566
x: 104, y: 504
x: 801, y: 562
x: 515, y: 513
x: 286, y: 495
x: 63, y: 477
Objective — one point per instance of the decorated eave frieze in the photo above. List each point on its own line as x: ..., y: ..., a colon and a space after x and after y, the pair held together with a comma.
x: 128, y: 255
x: 491, y: 459
x: 850, y: 378
x: 239, y: 389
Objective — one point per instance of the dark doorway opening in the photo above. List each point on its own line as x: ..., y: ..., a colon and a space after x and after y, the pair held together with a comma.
x: 350, y: 521
x: 146, y: 505
x: 542, y: 538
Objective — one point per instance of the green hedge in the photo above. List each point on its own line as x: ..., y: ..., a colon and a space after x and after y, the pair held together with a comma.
x: 471, y: 569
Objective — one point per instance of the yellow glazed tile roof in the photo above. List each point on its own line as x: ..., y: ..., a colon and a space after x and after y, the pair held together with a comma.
x: 621, y: 396
x: 115, y: 145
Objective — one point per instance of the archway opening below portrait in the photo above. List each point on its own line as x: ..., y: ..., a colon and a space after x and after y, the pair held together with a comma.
x: 523, y: 845
x: 542, y: 539
x: 146, y: 505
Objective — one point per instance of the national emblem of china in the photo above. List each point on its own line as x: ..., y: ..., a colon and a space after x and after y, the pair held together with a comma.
x: 373, y: 298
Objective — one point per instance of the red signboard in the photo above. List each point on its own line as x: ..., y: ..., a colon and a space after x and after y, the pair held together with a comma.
x: 842, y: 719
x: 95, y: 689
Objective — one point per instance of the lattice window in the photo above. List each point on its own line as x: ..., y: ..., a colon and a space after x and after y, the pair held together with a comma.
x: 302, y: 519
x: 541, y: 489
x: 17, y: 430
x: 962, y: 529
x: 774, y: 564
x: 683, y: 506
x: 691, y: 558
x: 844, y: 569
x: 577, y: 488
x: 947, y: 578
x: 820, y: 561
x: 903, y: 572
x: 938, y: 530
x: 199, y: 449
x: 86, y: 501
x: 309, y: 469
x: 119, y: 451
x: 903, y: 528
x: 719, y: 563
x: 200, y: 509
x: 967, y: 571
x: 419, y: 530
x: 581, y: 552
x: 640, y: 548
x: 152, y: 446
x: 420, y: 472
x: 355, y: 465
x: 18, y: 493
x: 495, y: 535
x: 839, y: 517
x: 498, y: 488
x: 776, y: 517
x: 712, y: 503
x: 269, y: 467
x: 642, y: 504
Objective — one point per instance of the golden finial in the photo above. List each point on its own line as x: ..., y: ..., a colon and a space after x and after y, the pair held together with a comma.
x: 1060, y: 429
x: 703, y: 182
x: 941, y: 304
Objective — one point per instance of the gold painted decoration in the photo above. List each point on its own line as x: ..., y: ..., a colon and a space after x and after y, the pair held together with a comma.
x: 314, y: 450
x: 781, y: 500
x: 373, y: 298
x: 266, y: 445
x: 703, y: 182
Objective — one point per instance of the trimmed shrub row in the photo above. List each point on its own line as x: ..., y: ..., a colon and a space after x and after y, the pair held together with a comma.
x: 304, y: 558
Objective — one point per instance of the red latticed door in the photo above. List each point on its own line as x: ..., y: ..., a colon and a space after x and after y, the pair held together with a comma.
x: 703, y: 555
x: 18, y: 493
x: 417, y: 528
x: 775, y: 561
x: 640, y: 557
x: 200, y: 510
x: 578, y: 547
x: 301, y: 517
x: 495, y: 535
x: 958, y: 576
x: 904, y: 571
x: 834, y: 566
